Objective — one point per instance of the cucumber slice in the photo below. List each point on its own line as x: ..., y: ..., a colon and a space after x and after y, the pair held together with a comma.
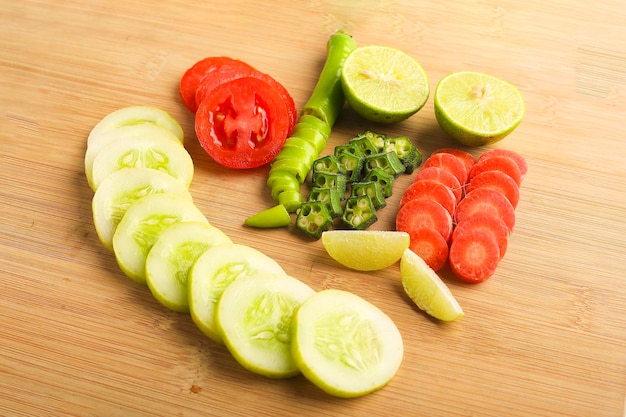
x: 169, y: 261
x: 122, y: 188
x: 254, y: 318
x: 125, y: 132
x: 213, y: 272
x: 135, y: 115
x: 141, y: 226
x: 344, y: 344
x: 155, y: 152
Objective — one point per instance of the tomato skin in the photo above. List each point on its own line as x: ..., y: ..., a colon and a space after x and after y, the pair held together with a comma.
x: 192, y: 78
x: 243, y: 123
x: 228, y: 73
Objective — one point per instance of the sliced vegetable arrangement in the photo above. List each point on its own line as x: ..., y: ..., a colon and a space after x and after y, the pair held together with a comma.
x: 273, y: 324
x: 353, y: 182
x: 462, y: 211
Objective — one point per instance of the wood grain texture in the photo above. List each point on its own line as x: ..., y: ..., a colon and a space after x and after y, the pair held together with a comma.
x: 546, y: 336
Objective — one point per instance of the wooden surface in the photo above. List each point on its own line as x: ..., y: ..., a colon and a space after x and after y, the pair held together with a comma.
x: 546, y: 336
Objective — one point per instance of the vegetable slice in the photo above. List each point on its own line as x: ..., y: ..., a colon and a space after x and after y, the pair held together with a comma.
x: 155, y: 152
x: 141, y: 226
x: 254, y: 318
x: 496, y: 180
x: 430, y: 245
x: 417, y: 214
x: 432, y: 190
x: 488, y: 223
x: 486, y: 200
x: 243, y: 123
x: 132, y: 116
x: 466, y: 157
x: 122, y: 188
x: 171, y: 257
x: 192, y: 78
x: 345, y: 345
x: 443, y: 176
x: 448, y: 162
x: 474, y: 256
x: 213, y: 272
x: 497, y: 163
x: 518, y: 158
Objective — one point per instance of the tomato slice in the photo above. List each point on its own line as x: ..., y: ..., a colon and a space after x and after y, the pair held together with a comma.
x: 193, y: 76
x: 231, y: 72
x: 243, y: 123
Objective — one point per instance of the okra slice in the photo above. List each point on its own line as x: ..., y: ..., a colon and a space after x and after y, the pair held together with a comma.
x: 313, y: 218
x: 385, y: 179
x: 408, y: 154
x: 350, y: 158
x: 359, y: 212
x: 366, y: 146
x: 371, y: 188
x: 387, y: 161
x: 329, y: 196
x: 328, y: 164
x: 328, y: 180
x: 377, y: 139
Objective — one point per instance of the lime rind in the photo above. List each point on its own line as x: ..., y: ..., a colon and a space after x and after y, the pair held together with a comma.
x: 171, y: 258
x: 477, y: 109
x: 426, y: 289
x: 365, y: 250
x: 384, y: 84
x: 345, y: 345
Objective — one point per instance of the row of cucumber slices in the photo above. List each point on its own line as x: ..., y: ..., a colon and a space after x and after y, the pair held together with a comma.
x: 272, y: 323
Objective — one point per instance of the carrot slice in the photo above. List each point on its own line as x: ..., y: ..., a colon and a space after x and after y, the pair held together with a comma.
x: 442, y: 176
x: 497, y: 163
x: 466, y: 157
x: 487, y: 223
x: 474, y: 256
x: 486, y: 200
x: 424, y: 213
x: 497, y: 180
x: 518, y: 158
x: 429, y: 245
x: 432, y: 190
x: 448, y: 162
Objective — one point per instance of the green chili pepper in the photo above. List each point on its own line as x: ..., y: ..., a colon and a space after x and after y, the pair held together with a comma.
x: 327, y: 98
x: 371, y: 188
x: 385, y: 179
x: 387, y: 161
x: 359, y: 212
x: 276, y: 216
x: 313, y: 218
x: 329, y: 196
x: 315, y: 123
x: 408, y: 154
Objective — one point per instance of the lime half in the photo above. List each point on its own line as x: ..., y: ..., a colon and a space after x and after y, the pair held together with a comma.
x: 477, y: 109
x: 383, y: 84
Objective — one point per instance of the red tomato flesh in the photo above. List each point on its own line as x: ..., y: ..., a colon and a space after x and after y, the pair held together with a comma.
x: 243, y: 123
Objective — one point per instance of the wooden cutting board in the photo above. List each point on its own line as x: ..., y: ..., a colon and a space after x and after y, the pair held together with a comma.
x: 545, y: 336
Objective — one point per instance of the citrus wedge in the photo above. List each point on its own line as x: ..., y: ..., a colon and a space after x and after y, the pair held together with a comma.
x: 426, y: 289
x: 365, y: 250
x: 477, y: 109
x: 383, y: 84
